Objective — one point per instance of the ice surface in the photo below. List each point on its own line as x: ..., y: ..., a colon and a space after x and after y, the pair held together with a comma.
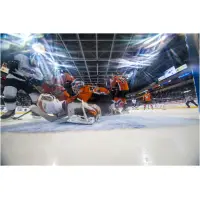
x: 159, y: 137
x: 137, y: 119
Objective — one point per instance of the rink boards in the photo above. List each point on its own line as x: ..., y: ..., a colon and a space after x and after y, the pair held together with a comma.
x: 19, y: 109
x: 22, y: 110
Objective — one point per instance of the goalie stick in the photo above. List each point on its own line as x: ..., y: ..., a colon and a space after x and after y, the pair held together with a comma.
x: 83, y: 108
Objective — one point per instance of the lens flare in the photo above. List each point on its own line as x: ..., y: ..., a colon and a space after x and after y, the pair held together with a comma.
x: 39, y: 48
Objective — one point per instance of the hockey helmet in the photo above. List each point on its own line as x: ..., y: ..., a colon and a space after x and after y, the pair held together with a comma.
x: 76, y: 85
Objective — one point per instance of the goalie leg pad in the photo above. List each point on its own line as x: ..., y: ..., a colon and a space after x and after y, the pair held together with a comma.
x: 38, y: 111
x: 49, y: 104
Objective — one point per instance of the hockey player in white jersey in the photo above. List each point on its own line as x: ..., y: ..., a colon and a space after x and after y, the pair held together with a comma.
x: 52, y: 109
x: 21, y: 72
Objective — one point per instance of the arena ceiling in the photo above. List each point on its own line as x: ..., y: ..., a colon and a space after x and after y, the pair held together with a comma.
x: 94, y: 57
x: 142, y: 57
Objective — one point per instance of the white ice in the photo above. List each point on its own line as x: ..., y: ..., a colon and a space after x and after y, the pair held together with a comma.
x: 158, y: 137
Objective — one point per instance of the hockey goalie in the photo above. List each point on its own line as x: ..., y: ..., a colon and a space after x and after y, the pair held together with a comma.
x: 51, y: 109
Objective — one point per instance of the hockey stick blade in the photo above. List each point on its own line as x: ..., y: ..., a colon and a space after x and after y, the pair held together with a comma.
x: 19, y: 117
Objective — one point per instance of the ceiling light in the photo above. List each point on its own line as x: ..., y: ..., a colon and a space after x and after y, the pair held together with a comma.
x: 39, y: 48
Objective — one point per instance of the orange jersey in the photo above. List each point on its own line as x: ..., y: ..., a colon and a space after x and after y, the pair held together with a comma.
x: 116, y: 99
x: 64, y: 96
x: 147, y: 97
x: 64, y: 78
x: 100, y: 90
x: 121, y: 82
x: 85, y: 93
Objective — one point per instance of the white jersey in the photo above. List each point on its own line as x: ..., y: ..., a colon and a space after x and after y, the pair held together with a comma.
x: 25, y: 69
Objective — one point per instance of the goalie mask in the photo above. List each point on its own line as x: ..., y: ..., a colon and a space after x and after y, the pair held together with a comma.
x: 76, y: 85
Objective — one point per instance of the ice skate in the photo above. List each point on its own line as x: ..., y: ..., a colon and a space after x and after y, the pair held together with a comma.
x: 8, y: 114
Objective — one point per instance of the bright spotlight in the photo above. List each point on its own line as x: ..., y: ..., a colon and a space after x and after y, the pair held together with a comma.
x: 39, y: 48
x: 22, y: 38
x: 25, y: 38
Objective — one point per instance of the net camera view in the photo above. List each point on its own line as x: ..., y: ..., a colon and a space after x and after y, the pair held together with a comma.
x: 99, y: 99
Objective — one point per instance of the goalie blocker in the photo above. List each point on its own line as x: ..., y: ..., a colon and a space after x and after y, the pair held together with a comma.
x: 52, y: 109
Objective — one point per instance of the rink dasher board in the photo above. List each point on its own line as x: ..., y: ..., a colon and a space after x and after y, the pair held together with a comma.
x: 16, y: 113
x: 140, y: 108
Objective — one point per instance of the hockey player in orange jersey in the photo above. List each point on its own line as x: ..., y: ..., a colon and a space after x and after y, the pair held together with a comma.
x: 62, y: 104
x: 87, y: 92
x: 101, y: 90
x: 92, y: 94
x: 103, y: 98
x: 82, y: 93
x: 119, y: 83
x: 50, y: 108
x: 147, y: 98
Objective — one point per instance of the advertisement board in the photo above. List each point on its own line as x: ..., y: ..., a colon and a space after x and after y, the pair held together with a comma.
x: 161, y: 78
x: 181, y: 68
x: 4, y: 69
x: 171, y: 71
x: 19, y: 109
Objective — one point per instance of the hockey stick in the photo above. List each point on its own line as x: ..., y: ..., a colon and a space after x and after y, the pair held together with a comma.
x: 21, y: 115
x: 84, y: 113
